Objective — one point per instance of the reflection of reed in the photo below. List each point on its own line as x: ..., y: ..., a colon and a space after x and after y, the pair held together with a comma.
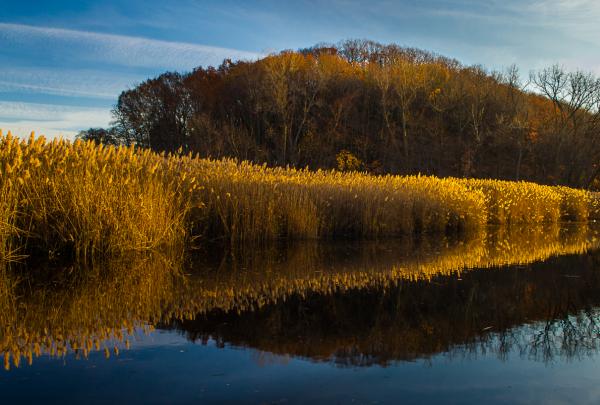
x: 81, y: 311
x: 101, y: 307
x: 252, y: 281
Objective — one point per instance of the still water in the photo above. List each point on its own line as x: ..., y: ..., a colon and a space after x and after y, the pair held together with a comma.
x: 504, y: 316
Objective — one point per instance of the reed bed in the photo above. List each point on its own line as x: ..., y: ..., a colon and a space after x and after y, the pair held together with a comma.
x: 243, y: 201
x: 87, y: 200
x: 91, y: 200
x: 510, y: 202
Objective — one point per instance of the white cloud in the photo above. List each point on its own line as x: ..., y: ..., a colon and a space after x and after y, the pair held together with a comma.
x: 530, y: 33
x: 116, y: 49
x: 76, y: 64
x: 66, y: 82
x: 577, y: 18
x: 50, y: 120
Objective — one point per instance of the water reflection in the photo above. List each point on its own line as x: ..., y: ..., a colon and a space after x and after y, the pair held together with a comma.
x: 58, y: 310
x: 543, y: 312
x: 349, y: 303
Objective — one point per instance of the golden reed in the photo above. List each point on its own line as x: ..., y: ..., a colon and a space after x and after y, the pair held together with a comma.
x: 93, y: 200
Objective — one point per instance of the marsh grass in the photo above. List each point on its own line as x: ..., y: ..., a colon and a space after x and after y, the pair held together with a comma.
x: 511, y: 203
x: 246, y: 202
x: 87, y: 201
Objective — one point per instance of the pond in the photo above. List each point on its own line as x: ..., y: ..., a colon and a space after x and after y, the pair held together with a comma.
x: 508, y: 315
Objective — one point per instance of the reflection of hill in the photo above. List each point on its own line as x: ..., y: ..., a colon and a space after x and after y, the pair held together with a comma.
x: 376, y: 301
x: 476, y: 310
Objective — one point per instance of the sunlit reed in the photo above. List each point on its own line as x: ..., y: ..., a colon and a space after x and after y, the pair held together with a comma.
x: 92, y: 201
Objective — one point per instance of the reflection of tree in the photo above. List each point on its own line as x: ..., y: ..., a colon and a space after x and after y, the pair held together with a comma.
x: 567, y: 337
x: 571, y: 337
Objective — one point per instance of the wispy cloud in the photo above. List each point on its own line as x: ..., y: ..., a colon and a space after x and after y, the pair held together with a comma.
x: 50, y: 120
x: 81, y: 64
x: 116, y: 49
x: 66, y: 82
x: 573, y: 17
x: 496, y: 33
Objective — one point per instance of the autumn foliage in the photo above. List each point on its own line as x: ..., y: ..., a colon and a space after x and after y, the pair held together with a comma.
x: 396, y: 110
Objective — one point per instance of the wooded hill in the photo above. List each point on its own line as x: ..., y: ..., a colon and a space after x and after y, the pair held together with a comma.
x: 361, y: 105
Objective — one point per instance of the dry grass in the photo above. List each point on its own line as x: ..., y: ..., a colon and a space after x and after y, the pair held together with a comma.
x: 88, y: 200
x: 242, y: 201
x: 95, y: 201
x: 511, y: 202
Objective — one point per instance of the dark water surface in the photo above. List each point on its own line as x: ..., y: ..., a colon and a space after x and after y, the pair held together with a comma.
x: 509, y: 316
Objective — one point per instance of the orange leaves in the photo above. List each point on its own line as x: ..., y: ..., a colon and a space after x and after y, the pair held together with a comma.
x: 336, y: 66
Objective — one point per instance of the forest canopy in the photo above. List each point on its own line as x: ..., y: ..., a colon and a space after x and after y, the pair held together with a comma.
x: 361, y: 105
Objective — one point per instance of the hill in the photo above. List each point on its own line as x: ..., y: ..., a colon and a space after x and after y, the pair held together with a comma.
x: 360, y: 105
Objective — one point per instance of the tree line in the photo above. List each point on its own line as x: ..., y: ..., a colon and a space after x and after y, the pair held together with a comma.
x: 361, y: 105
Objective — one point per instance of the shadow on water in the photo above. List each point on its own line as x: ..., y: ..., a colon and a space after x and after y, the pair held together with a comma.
x: 533, y: 291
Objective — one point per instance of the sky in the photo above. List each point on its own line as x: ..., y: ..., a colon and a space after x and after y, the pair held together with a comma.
x: 64, y: 63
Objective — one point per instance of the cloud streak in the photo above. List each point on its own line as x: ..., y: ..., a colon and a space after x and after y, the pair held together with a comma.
x: 50, y: 120
x: 66, y: 82
x: 81, y: 64
x: 116, y: 49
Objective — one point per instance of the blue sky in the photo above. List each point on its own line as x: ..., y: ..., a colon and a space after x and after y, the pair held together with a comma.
x: 63, y: 63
